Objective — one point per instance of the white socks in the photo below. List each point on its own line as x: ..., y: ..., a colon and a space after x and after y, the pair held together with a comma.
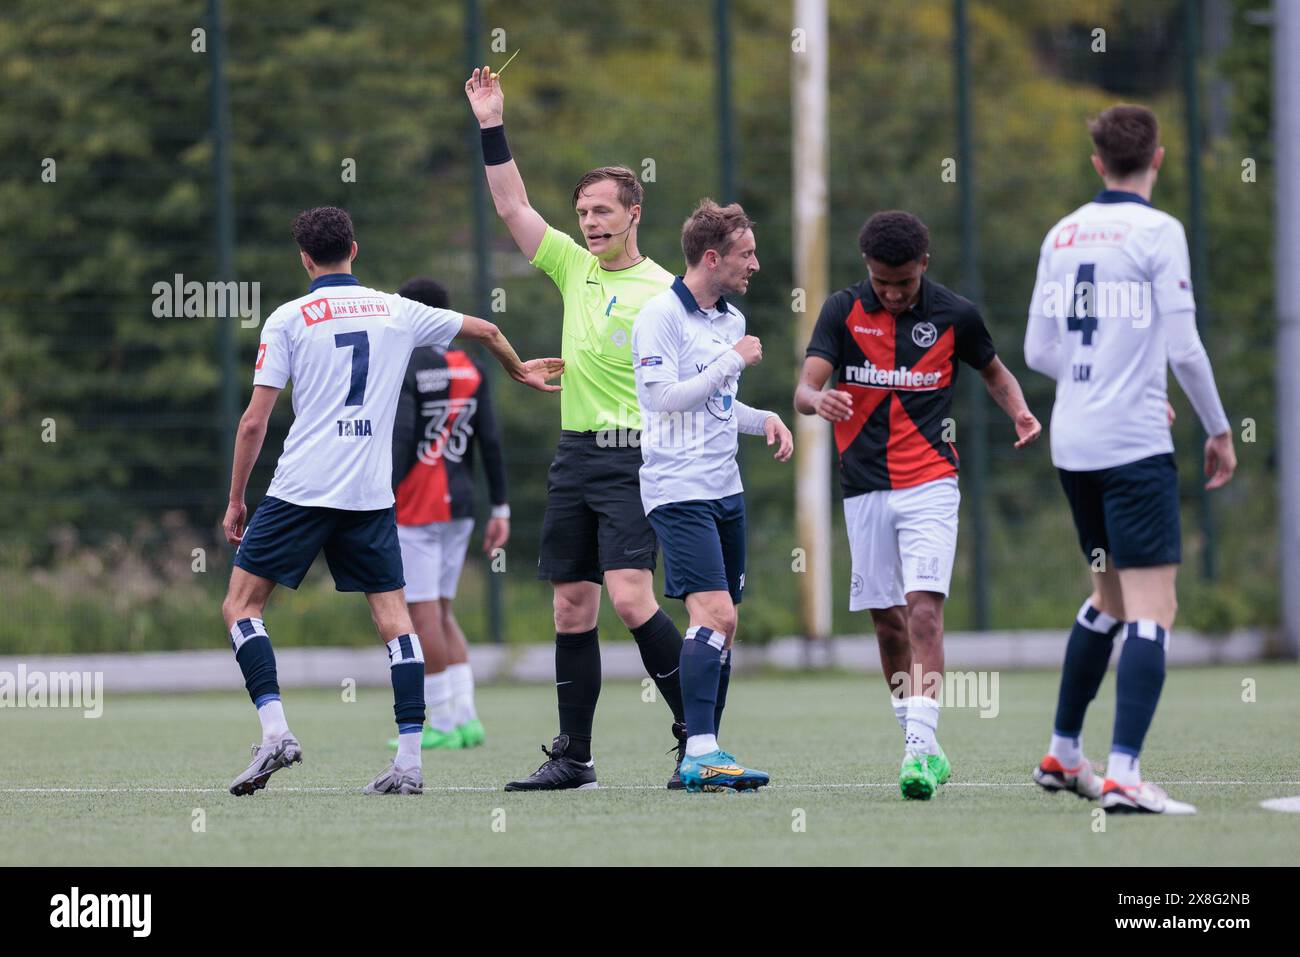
x: 462, y: 692
x: 922, y: 721
x: 437, y: 701
x: 900, y: 711
x: 274, y: 726
x: 698, y: 744
x: 1069, y: 751
x: 1123, y: 769
x: 408, y: 750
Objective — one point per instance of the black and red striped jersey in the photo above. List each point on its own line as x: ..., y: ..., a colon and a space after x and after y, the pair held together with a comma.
x: 900, y: 372
x: 444, y: 409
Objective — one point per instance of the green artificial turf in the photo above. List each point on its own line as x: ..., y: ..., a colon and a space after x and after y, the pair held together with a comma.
x: 830, y: 743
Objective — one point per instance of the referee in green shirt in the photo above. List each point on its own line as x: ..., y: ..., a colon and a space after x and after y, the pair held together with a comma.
x: 595, y: 527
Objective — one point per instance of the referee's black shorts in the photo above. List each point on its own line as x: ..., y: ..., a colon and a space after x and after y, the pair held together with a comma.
x: 594, y: 518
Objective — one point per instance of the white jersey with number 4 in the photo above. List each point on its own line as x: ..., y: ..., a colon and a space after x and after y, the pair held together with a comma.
x: 346, y: 348
x: 1108, y: 275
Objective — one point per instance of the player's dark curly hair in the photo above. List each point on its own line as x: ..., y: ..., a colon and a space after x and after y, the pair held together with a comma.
x: 324, y: 234
x: 425, y: 290
x: 894, y: 238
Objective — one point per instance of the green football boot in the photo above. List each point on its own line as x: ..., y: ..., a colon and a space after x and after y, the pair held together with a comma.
x: 939, y: 766
x: 915, y: 779
x: 432, y: 739
x: 471, y: 733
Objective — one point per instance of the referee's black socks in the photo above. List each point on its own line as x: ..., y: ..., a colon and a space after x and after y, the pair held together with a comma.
x: 660, y: 644
x: 577, y: 688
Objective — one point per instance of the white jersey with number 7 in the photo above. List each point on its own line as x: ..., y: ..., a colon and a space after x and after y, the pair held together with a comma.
x: 346, y: 348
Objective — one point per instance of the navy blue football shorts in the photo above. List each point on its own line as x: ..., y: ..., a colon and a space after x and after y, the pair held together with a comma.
x: 282, y: 540
x: 703, y: 544
x: 1130, y: 512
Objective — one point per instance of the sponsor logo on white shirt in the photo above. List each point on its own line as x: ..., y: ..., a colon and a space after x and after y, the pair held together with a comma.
x: 1092, y: 234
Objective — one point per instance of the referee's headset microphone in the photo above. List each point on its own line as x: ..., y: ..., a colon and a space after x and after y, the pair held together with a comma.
x: 621, y: 232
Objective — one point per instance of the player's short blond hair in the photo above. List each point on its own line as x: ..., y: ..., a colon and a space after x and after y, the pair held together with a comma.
x: 712, y: 227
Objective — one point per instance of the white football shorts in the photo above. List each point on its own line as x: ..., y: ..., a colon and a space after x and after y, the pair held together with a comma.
x: 433, y: 556
x: 901, y: 540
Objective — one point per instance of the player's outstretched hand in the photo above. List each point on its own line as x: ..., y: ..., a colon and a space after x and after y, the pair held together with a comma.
x: 1170, y: 414
x: 535, y: 373
x: 1027, y: 429
x: 834, y: 405
x: 1220, y: 460
x: 497, y: 534
x: 485, y: 97
x: 776, y: 432
x: 233, y: 523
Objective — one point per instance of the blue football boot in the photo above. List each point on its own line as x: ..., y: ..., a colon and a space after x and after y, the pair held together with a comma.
x: 718, y: 771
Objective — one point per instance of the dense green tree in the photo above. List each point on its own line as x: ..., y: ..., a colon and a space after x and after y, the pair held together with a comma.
x: 118, y: 96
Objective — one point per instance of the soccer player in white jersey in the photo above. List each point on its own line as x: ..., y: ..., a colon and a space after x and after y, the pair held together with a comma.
x: 688, y: 349
x: 1112, y: 305
x: 346, y: 347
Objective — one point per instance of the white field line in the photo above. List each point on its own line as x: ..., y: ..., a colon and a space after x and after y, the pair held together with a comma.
x: 614, y: 787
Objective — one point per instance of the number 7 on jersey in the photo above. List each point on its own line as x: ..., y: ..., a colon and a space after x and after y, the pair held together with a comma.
x: 359, y: 342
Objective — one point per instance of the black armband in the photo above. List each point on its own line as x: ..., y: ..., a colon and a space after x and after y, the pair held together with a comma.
x: 495, y: 149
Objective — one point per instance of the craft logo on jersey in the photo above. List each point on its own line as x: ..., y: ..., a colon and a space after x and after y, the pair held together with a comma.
x: 924, y: 334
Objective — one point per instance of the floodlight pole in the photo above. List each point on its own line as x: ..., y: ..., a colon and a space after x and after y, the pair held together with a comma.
x: 812, y: 276
x: 493, y: 597
x: 227, y: 412
x: 1286, y: 279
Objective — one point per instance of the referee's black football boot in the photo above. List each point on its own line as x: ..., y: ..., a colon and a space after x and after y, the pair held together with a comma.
x: 559, y: 773
x: 679, y: 732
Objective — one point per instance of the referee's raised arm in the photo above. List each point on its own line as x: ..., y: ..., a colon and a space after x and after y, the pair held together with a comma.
x: 508, y: 194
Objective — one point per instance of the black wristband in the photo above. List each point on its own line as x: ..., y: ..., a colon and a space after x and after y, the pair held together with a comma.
x: 495, y: 149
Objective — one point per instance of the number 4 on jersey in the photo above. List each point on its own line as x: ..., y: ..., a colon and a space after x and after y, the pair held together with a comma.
x: 1082, y: 313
